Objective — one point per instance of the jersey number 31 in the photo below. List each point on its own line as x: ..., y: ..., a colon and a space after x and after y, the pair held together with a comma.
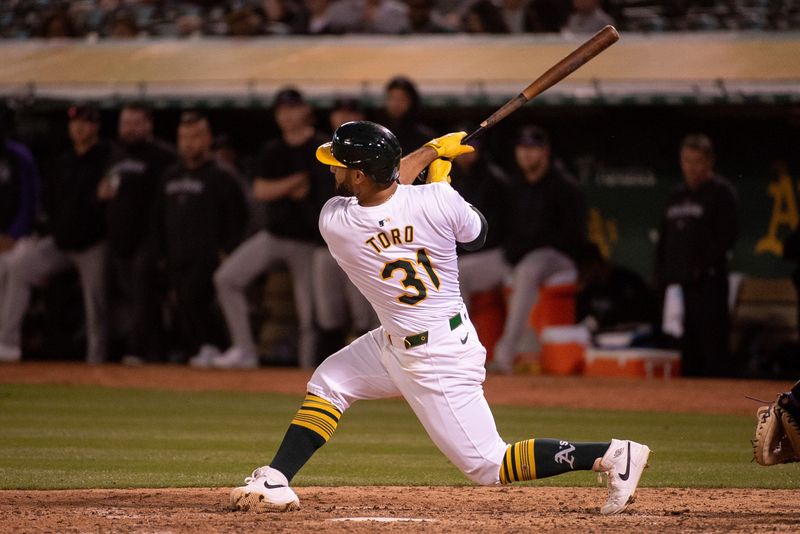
x: 412, y: 279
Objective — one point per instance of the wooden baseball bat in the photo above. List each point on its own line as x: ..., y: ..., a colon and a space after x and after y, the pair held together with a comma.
x: 569, y: 64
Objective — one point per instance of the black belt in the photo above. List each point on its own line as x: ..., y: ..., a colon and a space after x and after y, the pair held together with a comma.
x: 420, y: 339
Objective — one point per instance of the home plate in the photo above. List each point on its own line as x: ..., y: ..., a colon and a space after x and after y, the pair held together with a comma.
x: 385, y: 519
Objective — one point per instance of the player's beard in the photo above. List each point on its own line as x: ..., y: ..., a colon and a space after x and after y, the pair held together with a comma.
x: 343, y: 189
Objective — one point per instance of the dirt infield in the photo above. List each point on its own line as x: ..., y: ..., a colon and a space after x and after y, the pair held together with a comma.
x: 415, y: 509
x: 406, y: 509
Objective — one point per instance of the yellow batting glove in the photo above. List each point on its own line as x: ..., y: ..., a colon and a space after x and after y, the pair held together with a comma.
x: 449, y: 146
x: 439, y: 171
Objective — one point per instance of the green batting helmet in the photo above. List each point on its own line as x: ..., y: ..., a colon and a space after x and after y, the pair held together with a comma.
x: 364, y: 146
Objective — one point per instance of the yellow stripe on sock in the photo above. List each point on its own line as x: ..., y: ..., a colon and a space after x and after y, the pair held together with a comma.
x: 518, y: 463
x: 320, y: 402
x: 314, y: 428
x: 532, y: 459
x: 318, y: 415
x: 505, y: 476
x: 322, y: 411
x: 323, y: 417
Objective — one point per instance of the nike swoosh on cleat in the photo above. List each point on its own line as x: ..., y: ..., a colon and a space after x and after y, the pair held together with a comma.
x: 627, y: 473
x: 273, y: 486
x: 463, y: 341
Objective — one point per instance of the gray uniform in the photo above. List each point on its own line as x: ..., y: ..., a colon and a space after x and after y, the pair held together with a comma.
x: 262, y: 252
x: 30, y: 264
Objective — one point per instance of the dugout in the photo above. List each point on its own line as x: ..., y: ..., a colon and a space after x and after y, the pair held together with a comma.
x: 616, y: 123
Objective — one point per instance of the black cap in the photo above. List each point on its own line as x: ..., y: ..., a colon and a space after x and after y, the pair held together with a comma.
x: 288, y: 96
x: 532, y: 136
x: 84, y: 112
x: 364, y: 146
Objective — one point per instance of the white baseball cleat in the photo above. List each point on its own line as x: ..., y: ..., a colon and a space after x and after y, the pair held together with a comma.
x: 204, y: 358
x: 622, y: 464
x: 235, y: 358
x: 10, y: 353
x: 266, y: 490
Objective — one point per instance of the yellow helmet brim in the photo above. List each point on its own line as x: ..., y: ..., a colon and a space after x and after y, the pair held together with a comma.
x: 325, y: 156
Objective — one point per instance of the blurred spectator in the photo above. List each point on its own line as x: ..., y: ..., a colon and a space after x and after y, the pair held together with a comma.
x: 402, y: 107
x: 286, y: 180
x: 345, y: 110
x: 611, y: 297
x: 283, y: 17
x: 514, y: 14
x: 58, y: 25
x: 189, y: 25
x: 698, y: 231
x: 544, y: 223
x: 319, y: 17
x: 588, y: 17
x: 129, y: 190
x: 244, y: 22
x: 535, y: 15
x: 354, y: 16
x: 374, y: 16
x: 19, y: 202
x: 200, y: 217
x: 328, y: 17
x: 56, y: 18
x: 19, y: 188
x: 77, y: 222
x: 484, y: 17
x: 228, y: 159
x: 482, y: 184
x: 337, y: 302
x: 422, y: 19
x: 121, y: 24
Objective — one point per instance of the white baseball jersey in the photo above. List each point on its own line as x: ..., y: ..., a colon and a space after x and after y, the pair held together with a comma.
x: 401, y: 254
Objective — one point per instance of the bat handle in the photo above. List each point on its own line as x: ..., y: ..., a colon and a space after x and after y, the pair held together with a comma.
x: 473, y: 134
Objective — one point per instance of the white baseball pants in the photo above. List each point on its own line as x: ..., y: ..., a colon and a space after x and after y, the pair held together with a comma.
x: 441, y: 380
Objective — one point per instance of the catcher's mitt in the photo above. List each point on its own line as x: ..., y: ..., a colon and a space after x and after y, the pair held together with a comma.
x: 789, y: 411
x: 777, y: 438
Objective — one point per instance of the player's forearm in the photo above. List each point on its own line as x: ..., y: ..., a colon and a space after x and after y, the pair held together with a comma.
x: 266, y: 190
x: 412, y: 165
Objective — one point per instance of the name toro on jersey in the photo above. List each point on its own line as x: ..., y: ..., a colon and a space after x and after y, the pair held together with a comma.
x: 401, y: 254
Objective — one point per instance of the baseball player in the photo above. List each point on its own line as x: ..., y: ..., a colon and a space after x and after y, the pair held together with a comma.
x: 397, y: 244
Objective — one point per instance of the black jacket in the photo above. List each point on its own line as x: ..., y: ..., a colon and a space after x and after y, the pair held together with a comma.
x: 483, y: 186
x: 287, y: 217
x: 698, y: 229
x: 548, y: 213
x: 138, y: 168
x: 76, y: 216
x: 199, y: 212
